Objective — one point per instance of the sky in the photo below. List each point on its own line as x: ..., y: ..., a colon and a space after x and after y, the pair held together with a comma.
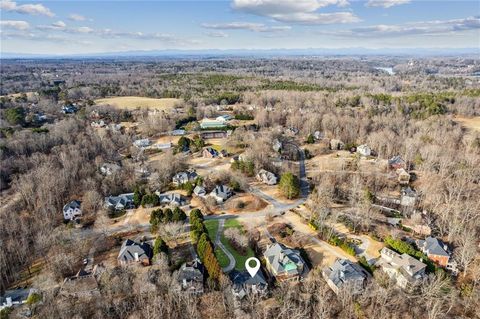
x: 93, y: 26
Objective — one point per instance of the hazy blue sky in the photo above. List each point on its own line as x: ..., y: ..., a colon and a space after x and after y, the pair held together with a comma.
x: 68, y: 26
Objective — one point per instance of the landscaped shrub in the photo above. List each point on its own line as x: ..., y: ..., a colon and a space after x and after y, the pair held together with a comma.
x: 289, y: 185
x: 160, y: 246
x: 150, y: 200
x: 246, y: 167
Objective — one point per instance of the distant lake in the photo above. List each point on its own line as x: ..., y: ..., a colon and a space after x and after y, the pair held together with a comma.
x: 388, y: 70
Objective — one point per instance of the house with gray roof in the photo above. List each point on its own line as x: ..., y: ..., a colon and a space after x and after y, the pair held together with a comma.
x: 404, y: 269
x: 72, y: 210
x: 142, y: 143
x: 284, y: 263
x: 83, y: 284
x: 277, y: 146
x: 364, y: 150
x: 132, y: 252
x: 435, y: 249
x: 244, y: 284
x: 224, y: 118
x: 200, y: 191
x: 120, y: 202
x: 178, y: 132
x: 267, y: 177
x: 109, y: 168
x: 14, y: 297
x: 396, y: 162
x: 173, y: 199
x: 221, y: 193
x: 184, y: 177
x: 209, y: 152
x: 191, y: 276
x: 408, y: 197
x: 344, y: 274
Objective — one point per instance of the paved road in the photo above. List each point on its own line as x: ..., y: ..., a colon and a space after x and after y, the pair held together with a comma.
x: 218, y: 243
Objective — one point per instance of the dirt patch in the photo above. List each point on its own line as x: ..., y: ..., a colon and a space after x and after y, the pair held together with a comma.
x: 245, y: 202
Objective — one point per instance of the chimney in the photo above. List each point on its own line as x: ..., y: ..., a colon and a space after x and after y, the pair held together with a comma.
x: 136, y: 256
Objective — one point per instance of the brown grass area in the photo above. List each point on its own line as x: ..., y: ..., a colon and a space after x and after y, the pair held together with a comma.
x: 472, y: 123
x: 344, y: 161
x: 135, y: 102
x: 250, y: 203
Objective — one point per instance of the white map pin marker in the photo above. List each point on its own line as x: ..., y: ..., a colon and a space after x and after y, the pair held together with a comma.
x: 252, y: 270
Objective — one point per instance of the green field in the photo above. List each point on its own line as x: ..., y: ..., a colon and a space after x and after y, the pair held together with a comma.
x: 239, y: 259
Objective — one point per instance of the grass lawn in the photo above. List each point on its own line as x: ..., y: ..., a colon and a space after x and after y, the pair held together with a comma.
x: 134, y: 102
x: 221, y: 257
x: 239, y: 259
x: 212, y: 228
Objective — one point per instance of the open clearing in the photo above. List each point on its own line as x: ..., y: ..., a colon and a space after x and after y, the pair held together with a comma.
x: 472, y: 123
x: 135, y: 102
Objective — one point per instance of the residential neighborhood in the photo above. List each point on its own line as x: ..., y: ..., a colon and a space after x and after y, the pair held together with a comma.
x: 147, y: 173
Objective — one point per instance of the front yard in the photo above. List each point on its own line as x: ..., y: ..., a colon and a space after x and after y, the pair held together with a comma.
x: 212, y: 229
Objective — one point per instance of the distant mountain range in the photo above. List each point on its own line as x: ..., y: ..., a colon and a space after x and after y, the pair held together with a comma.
x: 256, y: 53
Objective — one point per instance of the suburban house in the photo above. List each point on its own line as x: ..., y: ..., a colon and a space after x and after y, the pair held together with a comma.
x: 200, y: 191
x: 178, y: 132
x: 336, y: 144
x: 277, y: 145
x: 244, y: 284
x: 14, y: 297
x: 364, y: 150
x: 98, y: 124
x: 211, y: 124
x: 72, y: 210
x: 133, y: 252
x: 191, y: 277
x: 173, y: 199
x: 39, y: 117
x: 284, y: 263
x: 210, y: 152
x: 221, y: 193
x: 435, y: 249
x: 83, y: 284
x: 120, y: 202
x: 344, y: 274
x: 267, y: 177
x: 142, y: 143
x: 213, y: 134
x: 69, y: 109
x: 109, y: 168
x: 403, y: 176
x: 409, y: 197
x: 396, y: 162
x: 224, y: 118
x: 404, y: 269
x: 318, y: 135
x: 161, y: 146
x: 184, y: 177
